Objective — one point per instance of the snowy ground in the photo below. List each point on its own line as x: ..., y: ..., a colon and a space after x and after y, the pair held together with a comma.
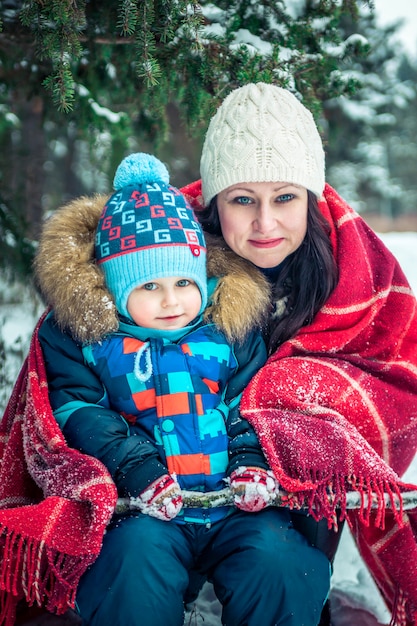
x: 354, y: 596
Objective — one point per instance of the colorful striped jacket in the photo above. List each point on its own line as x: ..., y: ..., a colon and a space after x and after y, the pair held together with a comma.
x: 158, y: 404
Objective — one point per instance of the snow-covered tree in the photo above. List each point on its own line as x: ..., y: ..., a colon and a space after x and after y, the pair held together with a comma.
x: 371, y: 134
x: 82, y: 83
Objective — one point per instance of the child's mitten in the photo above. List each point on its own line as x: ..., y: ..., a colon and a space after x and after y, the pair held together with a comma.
x: 162, y: 499
x: 253, y: 488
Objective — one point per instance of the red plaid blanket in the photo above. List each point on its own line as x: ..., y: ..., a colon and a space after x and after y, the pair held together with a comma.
x: 54, y: 501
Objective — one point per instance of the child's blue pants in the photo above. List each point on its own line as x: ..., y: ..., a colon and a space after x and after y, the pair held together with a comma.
x: 263, y: 572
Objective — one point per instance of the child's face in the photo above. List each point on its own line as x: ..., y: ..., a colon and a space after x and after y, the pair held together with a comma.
x: 165, y: 303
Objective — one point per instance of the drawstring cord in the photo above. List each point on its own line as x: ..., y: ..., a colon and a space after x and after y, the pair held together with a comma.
x: 143, y: 375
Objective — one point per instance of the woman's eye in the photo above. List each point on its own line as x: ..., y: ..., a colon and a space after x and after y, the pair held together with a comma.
x: 286, y: 197
x: 242, y: 200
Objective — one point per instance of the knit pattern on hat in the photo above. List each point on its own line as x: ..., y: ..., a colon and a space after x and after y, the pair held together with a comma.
x: 147, y: 230
x: 262, y: 133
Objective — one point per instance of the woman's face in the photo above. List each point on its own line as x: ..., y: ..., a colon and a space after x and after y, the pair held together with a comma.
x: 263, y: 222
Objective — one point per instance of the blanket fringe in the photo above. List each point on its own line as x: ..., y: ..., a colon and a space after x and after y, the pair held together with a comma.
x: 399, y: 611
x: 328, y: 499
x: 41, y: 575
x: 371, y: 490
x: 8, y: 606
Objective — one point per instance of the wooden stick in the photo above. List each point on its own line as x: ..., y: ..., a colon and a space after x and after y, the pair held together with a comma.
x: 211, y: 499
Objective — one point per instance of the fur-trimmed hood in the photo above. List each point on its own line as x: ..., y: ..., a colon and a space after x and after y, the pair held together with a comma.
x: 73, y: 286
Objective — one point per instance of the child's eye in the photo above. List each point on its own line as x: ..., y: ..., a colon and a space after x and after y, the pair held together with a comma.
x: 184, y: 282
x: 149, y: 286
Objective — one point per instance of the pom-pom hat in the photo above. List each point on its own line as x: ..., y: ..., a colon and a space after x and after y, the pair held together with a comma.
x: 261, y: 133
x: 147, y: 230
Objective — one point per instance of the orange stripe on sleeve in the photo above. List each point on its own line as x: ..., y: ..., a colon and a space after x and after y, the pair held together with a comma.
x: 213, y: 385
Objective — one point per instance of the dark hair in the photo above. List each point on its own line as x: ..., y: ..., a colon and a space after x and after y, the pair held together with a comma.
x: 306, y: 278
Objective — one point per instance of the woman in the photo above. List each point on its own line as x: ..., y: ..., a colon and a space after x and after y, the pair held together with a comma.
x: 334, y: 407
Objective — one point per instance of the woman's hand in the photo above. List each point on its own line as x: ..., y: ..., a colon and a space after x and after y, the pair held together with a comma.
x: 253, y: 488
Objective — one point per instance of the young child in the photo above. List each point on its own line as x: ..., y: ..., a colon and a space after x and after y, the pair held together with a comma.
x: 157, y: 401
x: 166, y: 371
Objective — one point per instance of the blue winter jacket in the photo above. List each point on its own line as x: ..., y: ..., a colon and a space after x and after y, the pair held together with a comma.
x: 145, y: 405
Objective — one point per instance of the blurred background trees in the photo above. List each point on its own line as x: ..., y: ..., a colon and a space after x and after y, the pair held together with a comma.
x: 84, y: 83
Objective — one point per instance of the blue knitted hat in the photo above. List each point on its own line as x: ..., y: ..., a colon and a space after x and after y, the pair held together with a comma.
x: 147, y: 230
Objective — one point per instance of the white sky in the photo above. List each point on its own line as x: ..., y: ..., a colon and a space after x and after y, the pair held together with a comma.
x: 389, y: 11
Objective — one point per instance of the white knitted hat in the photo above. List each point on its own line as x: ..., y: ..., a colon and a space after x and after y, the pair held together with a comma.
x: 261, y: 133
